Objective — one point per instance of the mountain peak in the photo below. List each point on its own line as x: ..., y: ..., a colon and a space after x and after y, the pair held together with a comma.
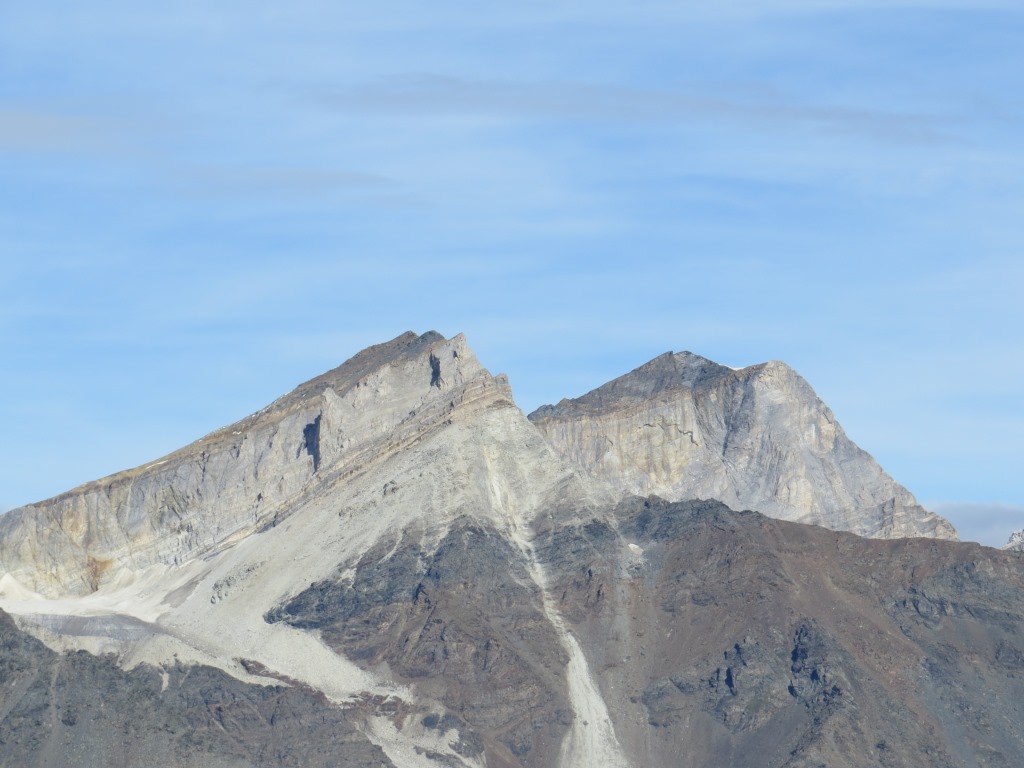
x: 249, y: 474
x: 667, y: 372
x: 682, y: 426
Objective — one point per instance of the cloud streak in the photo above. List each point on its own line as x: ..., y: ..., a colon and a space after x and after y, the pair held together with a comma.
x: 24, y: 130
x: 427, y: 95
x: 246, y: 180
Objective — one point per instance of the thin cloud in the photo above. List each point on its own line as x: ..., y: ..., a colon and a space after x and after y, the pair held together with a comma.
x: 30, y: 130
x: 287, y: 179
x: 439, y: 95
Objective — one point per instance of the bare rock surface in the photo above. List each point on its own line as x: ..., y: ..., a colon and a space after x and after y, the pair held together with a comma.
x: 245, y: 476
x: 739, y: 640
x: 402, y: 443
x: 82, y: 710
x: 684, y: 427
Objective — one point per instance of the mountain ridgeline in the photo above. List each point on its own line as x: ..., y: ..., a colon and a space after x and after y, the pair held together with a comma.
x: 393, y: 566
x: 684, y: 427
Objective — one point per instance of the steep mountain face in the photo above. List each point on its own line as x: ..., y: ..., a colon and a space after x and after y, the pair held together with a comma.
x: 700, y: 636
x: 250, y: 474
x: 391, y: 566
x: 412, y: 441
x: 683, y: 427
x: 1016, y: 541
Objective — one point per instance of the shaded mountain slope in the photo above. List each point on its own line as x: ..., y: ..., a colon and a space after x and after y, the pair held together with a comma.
x: 82, y: 710
x: 725, y: 637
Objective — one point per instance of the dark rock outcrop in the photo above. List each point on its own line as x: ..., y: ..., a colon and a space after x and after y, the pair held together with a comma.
x: 82, y: 710
x: 465, y: 622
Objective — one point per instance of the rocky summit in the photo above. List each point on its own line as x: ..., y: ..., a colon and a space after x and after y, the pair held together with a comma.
x: 684, y: 427
x: 393, y: 566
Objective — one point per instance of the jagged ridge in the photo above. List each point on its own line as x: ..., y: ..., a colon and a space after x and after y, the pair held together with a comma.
x: 247, y: 475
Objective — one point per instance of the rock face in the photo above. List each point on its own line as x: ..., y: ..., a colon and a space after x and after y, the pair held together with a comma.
x: 1016, y: 542
x: 83, y: 710
x: 409, y: 442
x: 391, y: 566
x: 683, y: 427
x: 738, y: 640
x: 730, y: 638
x: 464, y: 619
x: 247, y: 475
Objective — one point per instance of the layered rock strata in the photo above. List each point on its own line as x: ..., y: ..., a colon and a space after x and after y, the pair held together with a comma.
x: 248, y: 475
x: 684, y: 427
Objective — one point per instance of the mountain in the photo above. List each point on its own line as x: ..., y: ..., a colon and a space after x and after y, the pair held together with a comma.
x: 1015, y: 542
x: 684, y: 427
x: 297, y: 452
x: 392, y: 566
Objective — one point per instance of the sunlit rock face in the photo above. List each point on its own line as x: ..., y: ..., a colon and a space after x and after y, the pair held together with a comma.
x: 250, y: 474
x: 683, y: 427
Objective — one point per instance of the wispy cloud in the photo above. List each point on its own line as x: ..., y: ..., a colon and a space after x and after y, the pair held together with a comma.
x: 255, y: 180
x: 31, y: 130
x: 442, y: 95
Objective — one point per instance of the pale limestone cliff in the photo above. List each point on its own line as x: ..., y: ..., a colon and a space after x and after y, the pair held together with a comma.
x: 1016, y: 542
x: 684, y: 427
x: 247, y: 475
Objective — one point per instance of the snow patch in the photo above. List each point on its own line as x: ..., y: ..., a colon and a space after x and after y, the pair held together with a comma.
x: 413, y: 750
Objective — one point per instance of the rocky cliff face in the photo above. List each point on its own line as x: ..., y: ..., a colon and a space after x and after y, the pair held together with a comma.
x: 391, y: 566
x: 683, y: 427
x: 736, y: 640
x: 247, y: 475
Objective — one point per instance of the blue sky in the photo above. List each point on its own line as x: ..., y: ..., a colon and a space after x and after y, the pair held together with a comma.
x: 201, y: 207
